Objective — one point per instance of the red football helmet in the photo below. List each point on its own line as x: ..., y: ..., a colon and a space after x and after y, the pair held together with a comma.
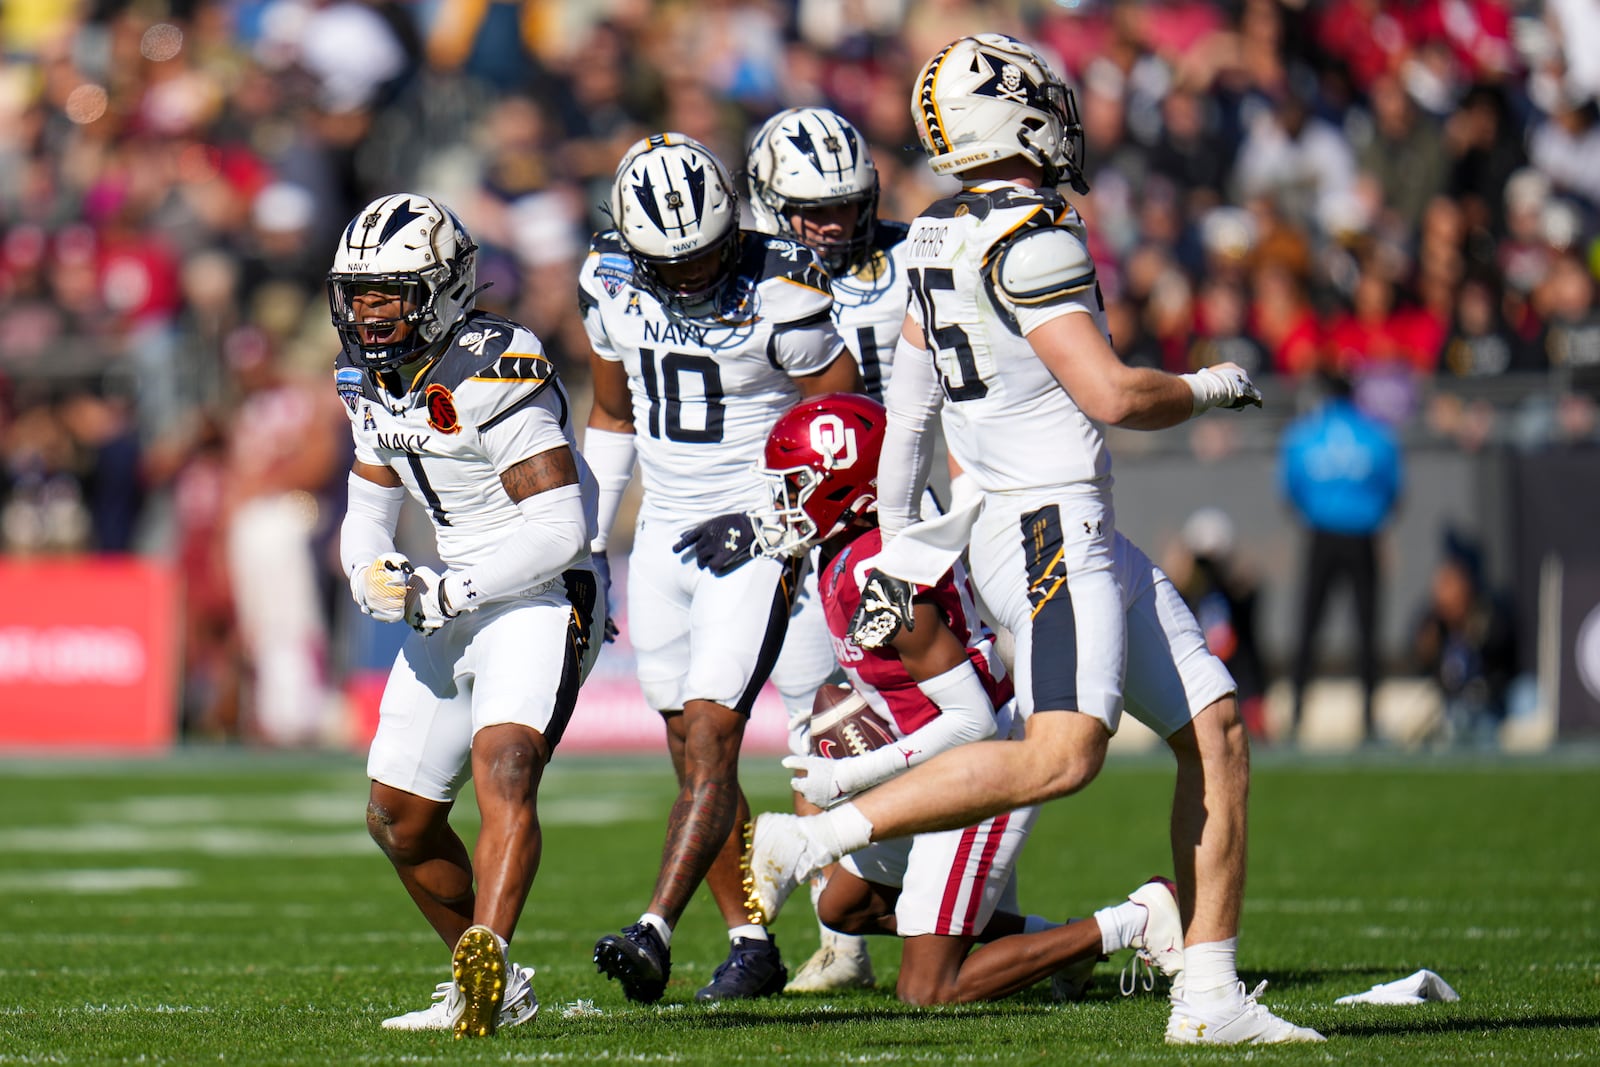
x: 822, y: 465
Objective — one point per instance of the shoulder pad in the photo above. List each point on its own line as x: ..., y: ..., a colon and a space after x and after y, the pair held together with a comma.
x: 795, y: 288
x: 783, y: 257
x: 1041, y: 265
x: 489, y: 348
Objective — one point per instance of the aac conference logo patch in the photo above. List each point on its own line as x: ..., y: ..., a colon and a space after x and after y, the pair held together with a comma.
x: 441, y: 409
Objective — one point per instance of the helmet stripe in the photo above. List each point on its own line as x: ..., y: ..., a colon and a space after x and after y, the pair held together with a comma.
x: 931, y: 117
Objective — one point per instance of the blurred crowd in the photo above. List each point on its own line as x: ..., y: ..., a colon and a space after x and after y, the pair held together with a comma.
x: 1401, y: 193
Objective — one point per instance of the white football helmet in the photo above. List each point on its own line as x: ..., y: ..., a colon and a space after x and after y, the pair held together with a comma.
x: 673, y: 202
x: 813, y: 157
x: 416, y: 245
x: 990, y: 97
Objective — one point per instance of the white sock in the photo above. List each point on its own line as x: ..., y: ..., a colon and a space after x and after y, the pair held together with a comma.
x: 1036, y: 924
x: 505, y: 947
x: 1210, y: 972
x: 1120, y: 924
x: 659, y: 925
x: 818, y: 884
x: 753, y: 932
x: 836, y: 833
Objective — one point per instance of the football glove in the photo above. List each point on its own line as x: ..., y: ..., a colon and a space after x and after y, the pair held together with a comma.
x: 884, y: 610
x: 1225, y: 385
x: 602, y: 568
x: 724, y: 544
x: 380, y: 587
x: 819, y: 784
x: 427, y: 607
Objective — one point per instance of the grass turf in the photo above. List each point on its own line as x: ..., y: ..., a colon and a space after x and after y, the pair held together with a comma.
x: 225, y: 907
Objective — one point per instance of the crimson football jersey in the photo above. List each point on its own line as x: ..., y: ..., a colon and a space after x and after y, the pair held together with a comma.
x: 877, y: 673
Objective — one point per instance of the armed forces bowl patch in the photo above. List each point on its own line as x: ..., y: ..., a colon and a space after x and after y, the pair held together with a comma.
x: 348, y: 380
x: 441, y: 409
x: 614, y: 271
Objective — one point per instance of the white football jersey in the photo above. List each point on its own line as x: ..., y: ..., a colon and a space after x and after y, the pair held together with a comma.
x: 706, y: 390
x: 869, y: 306
x: 1006, y: 419
x: 489, y: 401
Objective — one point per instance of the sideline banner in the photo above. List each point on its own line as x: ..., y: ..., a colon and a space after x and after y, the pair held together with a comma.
x: 89, y: 663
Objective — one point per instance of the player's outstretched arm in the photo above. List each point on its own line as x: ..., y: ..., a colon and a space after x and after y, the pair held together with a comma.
x: 377, y: 573
x: 1135, y: 398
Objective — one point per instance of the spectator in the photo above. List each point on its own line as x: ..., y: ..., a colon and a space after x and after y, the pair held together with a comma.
x: 1298, y: 159
x: 1341, y: 472
x: 1221, y: 329
x: 1465, y: 641
x: 1480, y: 344
x: 1220, y: 590
x: 1406, y: 152
x: 283, y: 450
x: 1572, y: 334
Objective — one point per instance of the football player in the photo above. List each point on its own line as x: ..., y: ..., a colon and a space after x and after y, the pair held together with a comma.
x: 812, y: 178
x: 941, y: 685
x: 460, y: 410
x: 703, y: 334
x: 1006, y: 345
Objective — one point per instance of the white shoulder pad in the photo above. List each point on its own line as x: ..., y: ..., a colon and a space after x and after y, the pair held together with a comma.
x: 1043, y: 265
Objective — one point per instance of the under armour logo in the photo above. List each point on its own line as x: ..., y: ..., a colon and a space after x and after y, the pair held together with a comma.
x: 1092, y: 528
x: 732, y: 543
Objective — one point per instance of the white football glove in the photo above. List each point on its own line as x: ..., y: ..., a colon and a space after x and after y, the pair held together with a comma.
x: 1225, y: 385
x: 380, y: 586
x: 427, y: 608
x: 819, y: 784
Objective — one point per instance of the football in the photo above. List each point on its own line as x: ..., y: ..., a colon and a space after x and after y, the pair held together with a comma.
x: 844, y: 724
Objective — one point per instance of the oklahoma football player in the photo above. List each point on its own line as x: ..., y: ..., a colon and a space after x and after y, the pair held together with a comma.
x: 941, y: 683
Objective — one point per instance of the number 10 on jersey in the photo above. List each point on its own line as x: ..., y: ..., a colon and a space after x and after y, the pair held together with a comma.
x: 663, y: 386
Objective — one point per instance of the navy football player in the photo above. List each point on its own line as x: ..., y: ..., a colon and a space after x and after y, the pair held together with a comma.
x: 460, y: 410
x: 703, y: 334
x: 1006, y: 347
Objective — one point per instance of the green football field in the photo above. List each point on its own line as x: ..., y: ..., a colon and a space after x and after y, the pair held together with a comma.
x: 225, y: 907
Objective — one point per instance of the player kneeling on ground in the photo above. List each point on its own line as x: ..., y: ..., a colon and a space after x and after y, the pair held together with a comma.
x: 937, y: 685
x: 460, y: 409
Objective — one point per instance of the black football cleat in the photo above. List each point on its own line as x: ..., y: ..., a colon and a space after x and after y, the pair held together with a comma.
x: 636, y: 958
x: 753, y: 969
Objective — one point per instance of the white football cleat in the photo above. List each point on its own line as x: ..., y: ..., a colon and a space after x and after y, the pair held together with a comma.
x: 1241, y: 1022
x: 479, y: 968
x: 774, y: 864
x: 521, y: 1005
x: 842, y: 962
x: 1159, y: 946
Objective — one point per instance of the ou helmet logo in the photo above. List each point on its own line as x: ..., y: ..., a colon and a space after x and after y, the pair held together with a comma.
x: 834, y: 441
